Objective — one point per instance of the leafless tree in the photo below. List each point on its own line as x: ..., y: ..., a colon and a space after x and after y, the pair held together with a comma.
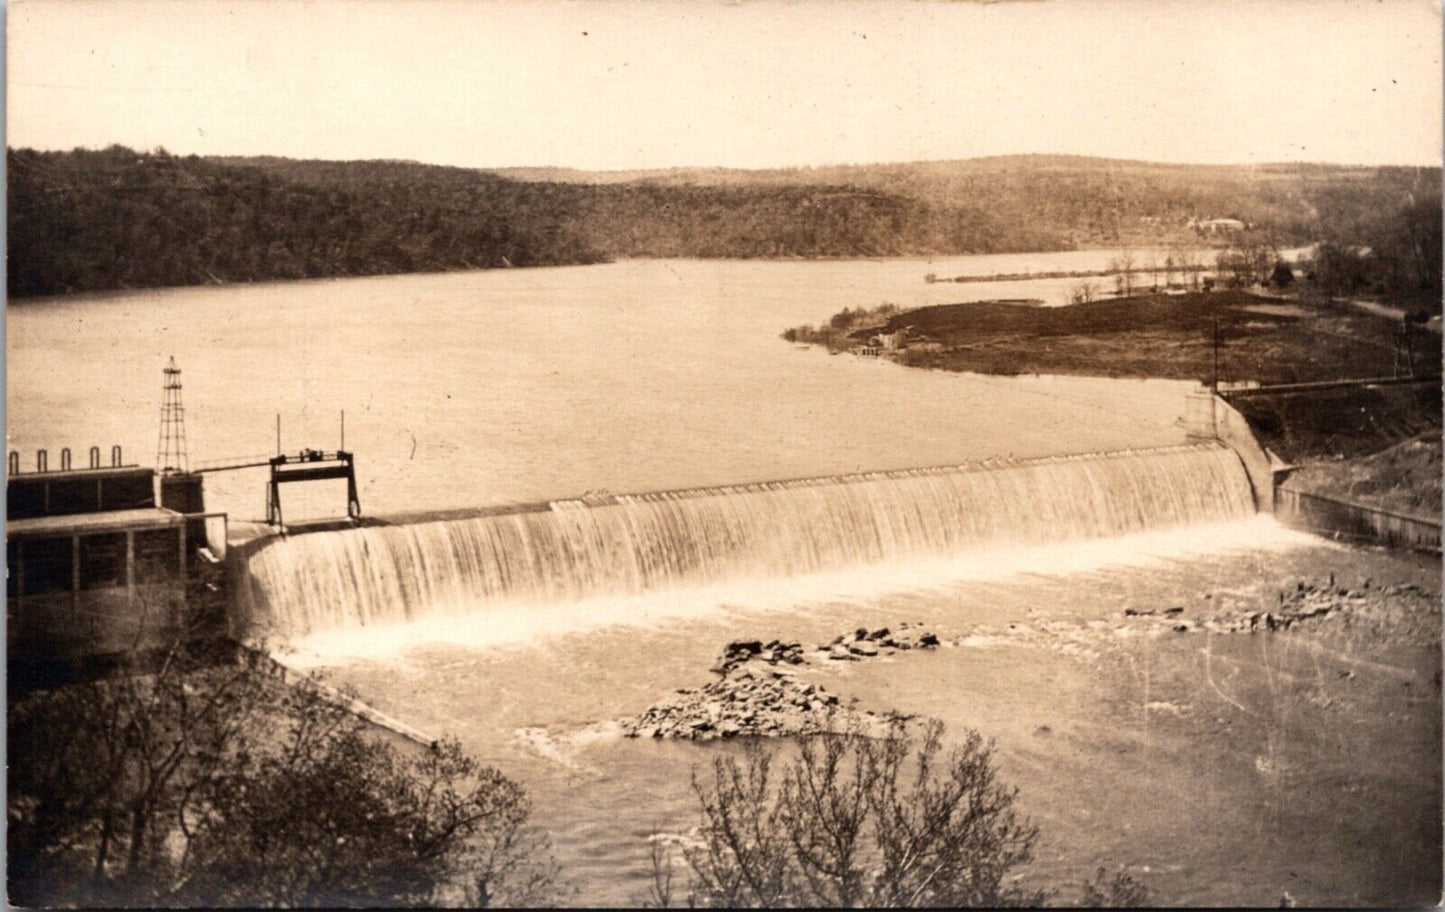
x: 1124, y: 263
x: 889, y: 821
x: 1189, y: 264
x: 658, y: 894
x: 1083, y: 292
x: 183, y: 781
x: 1121, y: 891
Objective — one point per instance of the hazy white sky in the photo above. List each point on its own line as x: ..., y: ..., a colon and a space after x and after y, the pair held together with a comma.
x: 639, y: 84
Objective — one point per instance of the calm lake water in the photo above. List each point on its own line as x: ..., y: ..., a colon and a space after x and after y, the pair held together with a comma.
x: 467, y: 389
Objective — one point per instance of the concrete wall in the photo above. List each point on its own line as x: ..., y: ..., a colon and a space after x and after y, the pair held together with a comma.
x: 66, y: 624
x: 1354, y: 522
x: 1207, y: 416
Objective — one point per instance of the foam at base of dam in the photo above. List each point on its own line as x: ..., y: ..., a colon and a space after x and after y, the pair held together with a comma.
x: 632, y: 544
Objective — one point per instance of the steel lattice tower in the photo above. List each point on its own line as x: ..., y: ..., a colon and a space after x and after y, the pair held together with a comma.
x: 171, y: 447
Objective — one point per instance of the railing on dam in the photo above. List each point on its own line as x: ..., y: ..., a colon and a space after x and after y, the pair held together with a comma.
x: 1280, y: 389
x: 992, y: 462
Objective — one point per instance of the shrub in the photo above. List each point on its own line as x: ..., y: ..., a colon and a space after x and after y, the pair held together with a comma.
x: 1121, y: 891
x: 178, y: 784
x: 839, y: 332
x: 1282, y: 275
x: 857, y: 821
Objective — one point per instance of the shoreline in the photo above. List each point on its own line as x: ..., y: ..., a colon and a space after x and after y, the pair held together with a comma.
x: 921, y: 259
x: 1340, y: 439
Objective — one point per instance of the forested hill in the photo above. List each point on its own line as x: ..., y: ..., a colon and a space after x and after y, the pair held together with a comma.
x: 116, y: 218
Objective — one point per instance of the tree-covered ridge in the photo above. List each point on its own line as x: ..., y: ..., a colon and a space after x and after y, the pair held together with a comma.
x: 701, y: 218
x: 87, y: 220
x: 116, y: 218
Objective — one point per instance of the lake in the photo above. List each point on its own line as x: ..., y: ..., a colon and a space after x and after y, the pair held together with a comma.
x: 475, y: 388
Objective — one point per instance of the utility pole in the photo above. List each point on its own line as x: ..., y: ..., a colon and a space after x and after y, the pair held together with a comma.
x: 1215, y: 384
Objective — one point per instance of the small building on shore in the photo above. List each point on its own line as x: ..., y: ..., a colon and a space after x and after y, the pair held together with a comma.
x: 1220, y: 226
x: 890, y: 341
x: 97, y: 563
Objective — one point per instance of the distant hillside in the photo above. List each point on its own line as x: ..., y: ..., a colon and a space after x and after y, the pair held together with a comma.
x: 1089, y: 199
x: 116, y: 218
x: 119, y: 219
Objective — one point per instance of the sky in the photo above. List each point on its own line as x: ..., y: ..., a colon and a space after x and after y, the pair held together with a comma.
x: 623, y: 84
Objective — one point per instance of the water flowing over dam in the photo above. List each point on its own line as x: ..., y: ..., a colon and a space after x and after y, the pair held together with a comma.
x: 632, y: 544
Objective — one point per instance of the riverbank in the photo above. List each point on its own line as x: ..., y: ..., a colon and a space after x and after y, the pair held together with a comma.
x: 1235, y: 336
x: 1351, y: 422
x: 1403, y: 479
x: 1261, y: 339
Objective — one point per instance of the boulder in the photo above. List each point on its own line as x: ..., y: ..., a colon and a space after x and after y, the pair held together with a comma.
x: 863, y: 648
x: 927, y: 640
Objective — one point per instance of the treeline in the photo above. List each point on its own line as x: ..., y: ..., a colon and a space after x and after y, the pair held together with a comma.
x: 842, y: 328
x: 1393, y: 249
x: 648, y: 218
x: 109, y: 219
x: 116, y: 218
x: 1095, y: 201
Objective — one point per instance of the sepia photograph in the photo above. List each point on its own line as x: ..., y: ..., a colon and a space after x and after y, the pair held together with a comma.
x: 723, y: 453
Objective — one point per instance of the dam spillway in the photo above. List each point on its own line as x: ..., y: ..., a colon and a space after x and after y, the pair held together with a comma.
x: 631, y: 544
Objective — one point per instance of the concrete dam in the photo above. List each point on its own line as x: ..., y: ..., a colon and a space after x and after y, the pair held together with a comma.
x: 621, y: 545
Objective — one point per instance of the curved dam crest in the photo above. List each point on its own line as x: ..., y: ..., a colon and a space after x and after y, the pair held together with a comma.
x: 632, y: 544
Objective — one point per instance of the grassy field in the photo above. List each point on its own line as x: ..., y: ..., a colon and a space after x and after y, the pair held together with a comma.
x: 1378, y: 445
x: 1327, y: 425
x: 1171, y: 336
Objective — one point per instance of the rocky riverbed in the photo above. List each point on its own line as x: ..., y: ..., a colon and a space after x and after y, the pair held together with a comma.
x: 758, y: 691
x: 1406, y: 608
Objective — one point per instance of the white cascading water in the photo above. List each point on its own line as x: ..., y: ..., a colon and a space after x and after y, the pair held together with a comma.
x: 632, y: 544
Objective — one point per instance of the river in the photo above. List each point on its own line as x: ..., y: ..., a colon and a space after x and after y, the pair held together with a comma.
x: 1179, y: 757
